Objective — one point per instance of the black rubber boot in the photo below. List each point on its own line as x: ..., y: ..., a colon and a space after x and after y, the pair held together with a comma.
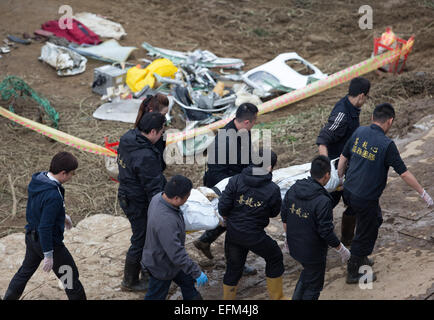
x: 347, y: 229
x: 203, y: 244
x: 353, y: 265
x: 78, y: 294
x: 249, y: 271
x: 10, y: 295
x: 204, y: 247
x: 131, y: 280
x: 367, y: 261
x: 298, y: 291
x: 353, y: 275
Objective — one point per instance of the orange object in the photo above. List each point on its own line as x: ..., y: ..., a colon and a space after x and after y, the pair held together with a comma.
x: 388, y: 42
x: 219, y: 88
x: 388, y: 37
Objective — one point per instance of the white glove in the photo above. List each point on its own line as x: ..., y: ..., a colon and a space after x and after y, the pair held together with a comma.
x: 425, y: 196
x: 48, y: 261
x: 68, y: 222
x: 344, y: 253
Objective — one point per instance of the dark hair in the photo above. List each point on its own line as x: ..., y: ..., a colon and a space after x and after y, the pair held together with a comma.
x: 359, y: 85
x: 273, y: 157
x: 319, y: 167
x: 63, y: 161
x: 383, y: 112
x: 246, y: 111
x: 151, y: 104
x: 178, y: 186
x: 151, y: 120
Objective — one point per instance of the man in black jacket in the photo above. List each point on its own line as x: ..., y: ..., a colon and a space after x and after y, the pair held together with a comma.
x: 231, y: 151
x: 342, y: 122
x: 247, y: 204
x: 370, y: 154
x: 140, y: 178
x: 227, y: 156
x: 307, y: 216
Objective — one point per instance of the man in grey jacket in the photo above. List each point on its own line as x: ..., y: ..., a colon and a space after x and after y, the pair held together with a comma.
x: 164, y: 254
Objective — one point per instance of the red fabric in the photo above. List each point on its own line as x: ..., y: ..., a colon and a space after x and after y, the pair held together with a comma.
x: 43, y: 33
x: 79, y: 33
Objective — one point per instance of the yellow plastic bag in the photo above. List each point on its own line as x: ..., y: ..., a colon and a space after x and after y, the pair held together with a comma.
x: 138, y: 78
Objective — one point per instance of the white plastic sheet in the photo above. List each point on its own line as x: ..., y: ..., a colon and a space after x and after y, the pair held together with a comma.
x: 286, y: 177
x: 334, y: 179
x: 121, y: 110
x: 110, y: 51
x: 64, y: 60
x: 101, y: 26
x: 199, y: 213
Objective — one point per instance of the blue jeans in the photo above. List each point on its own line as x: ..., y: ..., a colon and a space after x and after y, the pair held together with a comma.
x: 158, y: 289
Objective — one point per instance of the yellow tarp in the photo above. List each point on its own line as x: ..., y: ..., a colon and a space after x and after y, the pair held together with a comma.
x: 138, y: 78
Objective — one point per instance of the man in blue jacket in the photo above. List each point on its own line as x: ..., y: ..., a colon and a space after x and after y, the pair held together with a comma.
x: 248, y: 202
x: 46, y: 219
x: 369, y: 154
x: 141, y: 176
x: 342, y: 122
x: 307, y: 216
x: 164, y: 254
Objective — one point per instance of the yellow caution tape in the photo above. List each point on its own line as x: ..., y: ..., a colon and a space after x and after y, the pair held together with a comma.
x: 307, y: 91
x: 57, y: 135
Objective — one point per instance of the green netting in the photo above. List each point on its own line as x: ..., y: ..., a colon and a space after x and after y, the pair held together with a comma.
x: 13, y: 86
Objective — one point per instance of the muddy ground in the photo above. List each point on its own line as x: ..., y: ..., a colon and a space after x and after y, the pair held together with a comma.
x: 326, y: 34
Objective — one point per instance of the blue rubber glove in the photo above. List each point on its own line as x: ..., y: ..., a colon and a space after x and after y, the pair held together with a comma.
x: 201, y: 280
